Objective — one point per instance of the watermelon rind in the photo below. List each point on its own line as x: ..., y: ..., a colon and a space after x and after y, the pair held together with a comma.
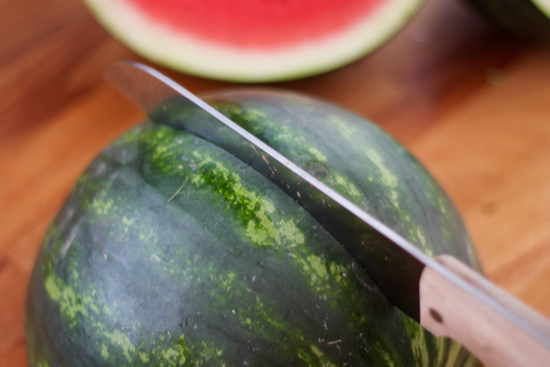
x: 185, y: 53
x: 543, y: 5
x: 170, y: 251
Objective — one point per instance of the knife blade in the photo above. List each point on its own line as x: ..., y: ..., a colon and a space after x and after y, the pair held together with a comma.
x: 406, y: 275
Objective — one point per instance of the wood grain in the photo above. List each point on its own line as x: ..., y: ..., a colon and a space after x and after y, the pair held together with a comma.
x: 472, y: 103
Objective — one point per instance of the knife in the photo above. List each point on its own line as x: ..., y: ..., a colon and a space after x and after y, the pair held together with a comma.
x: 444, y: 295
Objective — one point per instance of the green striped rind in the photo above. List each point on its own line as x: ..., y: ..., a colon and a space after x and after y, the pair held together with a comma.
x: 171, y: 252
x: 356, y: 159
x: 524, y: 18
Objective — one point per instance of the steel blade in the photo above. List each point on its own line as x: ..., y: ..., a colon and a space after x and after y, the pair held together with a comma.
x: 393, y: 262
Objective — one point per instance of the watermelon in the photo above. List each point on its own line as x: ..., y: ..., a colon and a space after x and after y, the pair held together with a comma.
x: 253, y: 40
x: 170, y: 251
x: 528, y: 19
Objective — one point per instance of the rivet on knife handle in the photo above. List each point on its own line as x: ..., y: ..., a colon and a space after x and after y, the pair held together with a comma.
x: 447, y: 297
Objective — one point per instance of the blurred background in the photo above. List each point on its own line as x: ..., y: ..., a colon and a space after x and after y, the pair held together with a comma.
x: 469, y: 100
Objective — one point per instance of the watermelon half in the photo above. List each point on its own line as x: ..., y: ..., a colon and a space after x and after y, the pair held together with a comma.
x: 253, y: 40
x: 170, y: 251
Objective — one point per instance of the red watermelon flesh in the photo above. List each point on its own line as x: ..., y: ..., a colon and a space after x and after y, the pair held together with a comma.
x: 253, y: 40
x: 274, y: 23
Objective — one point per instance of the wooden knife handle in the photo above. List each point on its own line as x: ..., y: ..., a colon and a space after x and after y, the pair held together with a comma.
x: 491, y: 334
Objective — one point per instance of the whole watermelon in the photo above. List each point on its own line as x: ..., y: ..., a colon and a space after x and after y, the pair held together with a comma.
x: 529, y: 19
x: 171, y: 252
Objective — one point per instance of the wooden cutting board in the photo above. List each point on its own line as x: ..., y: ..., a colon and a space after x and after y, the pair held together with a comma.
x: 473, y: 104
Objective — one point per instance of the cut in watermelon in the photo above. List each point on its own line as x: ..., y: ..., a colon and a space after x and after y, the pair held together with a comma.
x: 253, y: 40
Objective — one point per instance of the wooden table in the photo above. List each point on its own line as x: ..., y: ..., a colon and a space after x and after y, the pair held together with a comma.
x: 471, y: 103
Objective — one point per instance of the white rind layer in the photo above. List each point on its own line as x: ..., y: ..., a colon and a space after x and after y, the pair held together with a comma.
x: 162, y: 45
x: 543, y: 5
